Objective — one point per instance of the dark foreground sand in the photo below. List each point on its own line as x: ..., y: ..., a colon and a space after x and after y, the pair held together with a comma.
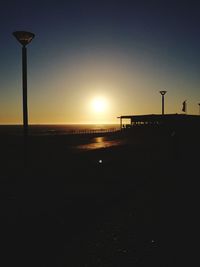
x: 129, y: 205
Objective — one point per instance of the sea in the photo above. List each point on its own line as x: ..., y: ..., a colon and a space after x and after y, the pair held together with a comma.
x: 94, y: 142
x: 59, y: 129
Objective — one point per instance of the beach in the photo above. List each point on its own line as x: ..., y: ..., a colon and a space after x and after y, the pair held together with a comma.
x: 116, y: 204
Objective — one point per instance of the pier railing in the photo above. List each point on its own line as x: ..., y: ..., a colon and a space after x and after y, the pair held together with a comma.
x: 59, y: 131
x: 92, y: 131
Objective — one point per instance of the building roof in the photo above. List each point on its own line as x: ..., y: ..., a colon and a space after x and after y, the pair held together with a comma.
x: 163, y: 119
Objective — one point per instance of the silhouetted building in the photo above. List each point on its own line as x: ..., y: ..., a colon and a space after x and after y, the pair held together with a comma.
x: 159, y: 120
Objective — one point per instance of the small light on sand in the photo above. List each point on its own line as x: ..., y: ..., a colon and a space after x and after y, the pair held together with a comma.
x: 100, y: 161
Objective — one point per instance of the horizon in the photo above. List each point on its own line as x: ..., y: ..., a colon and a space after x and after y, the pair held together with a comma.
x: 105, y: 123
x: 32, y: 124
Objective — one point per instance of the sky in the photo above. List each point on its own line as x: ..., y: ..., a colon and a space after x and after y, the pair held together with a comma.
x: 91, y: 61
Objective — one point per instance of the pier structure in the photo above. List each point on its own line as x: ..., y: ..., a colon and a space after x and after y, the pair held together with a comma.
x: 155, y: 120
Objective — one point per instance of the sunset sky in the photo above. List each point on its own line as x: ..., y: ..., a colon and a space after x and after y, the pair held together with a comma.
x: 91, y: 61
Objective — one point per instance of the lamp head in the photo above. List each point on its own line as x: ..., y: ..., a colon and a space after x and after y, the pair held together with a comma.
x: 24, y: 37
x: 163, y: 92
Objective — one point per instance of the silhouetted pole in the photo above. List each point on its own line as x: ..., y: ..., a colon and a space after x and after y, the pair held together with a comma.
x: 24, y: 38
x: 163, y: 101
x: 24, y: 83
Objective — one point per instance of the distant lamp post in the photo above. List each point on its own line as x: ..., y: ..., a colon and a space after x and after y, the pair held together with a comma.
x: 163, y: 101
x: 24, y: 38
x: 199, y: 108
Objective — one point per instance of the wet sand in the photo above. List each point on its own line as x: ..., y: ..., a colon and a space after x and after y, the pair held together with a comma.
x: 119, y: 205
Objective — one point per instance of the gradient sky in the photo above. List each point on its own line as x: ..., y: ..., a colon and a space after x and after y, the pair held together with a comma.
x: 122, y: 51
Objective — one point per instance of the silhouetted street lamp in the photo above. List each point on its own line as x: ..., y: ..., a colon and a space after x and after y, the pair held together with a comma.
x: 24, y: 38
x: 163, y: 100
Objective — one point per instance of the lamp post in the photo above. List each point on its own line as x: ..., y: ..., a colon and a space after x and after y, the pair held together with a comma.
x: 24, y: 38
x: 163, y: 101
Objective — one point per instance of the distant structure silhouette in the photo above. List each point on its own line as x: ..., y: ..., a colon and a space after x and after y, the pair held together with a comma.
x: 199, y: 108
x: 184, y: 108
x: 163, y: 101
x: 155, y: 121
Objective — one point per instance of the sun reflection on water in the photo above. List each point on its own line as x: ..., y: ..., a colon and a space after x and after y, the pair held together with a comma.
x: 99, y: 142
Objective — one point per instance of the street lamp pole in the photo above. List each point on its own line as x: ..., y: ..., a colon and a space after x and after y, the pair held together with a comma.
x: 24, y: 84
x: 24, y: 38
x: 163, y: 101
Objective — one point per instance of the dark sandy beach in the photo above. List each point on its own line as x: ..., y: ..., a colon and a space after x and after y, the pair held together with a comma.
x: 129, y: 204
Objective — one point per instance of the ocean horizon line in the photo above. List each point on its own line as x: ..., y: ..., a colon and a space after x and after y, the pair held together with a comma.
x: 46, y: 124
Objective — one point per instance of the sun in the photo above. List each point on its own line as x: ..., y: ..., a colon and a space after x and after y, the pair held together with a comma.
x: 99, y: 104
